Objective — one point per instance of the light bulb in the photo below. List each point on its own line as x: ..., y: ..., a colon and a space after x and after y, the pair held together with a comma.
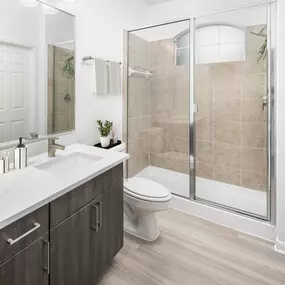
x: 50, y: 10
x: 30, y: 3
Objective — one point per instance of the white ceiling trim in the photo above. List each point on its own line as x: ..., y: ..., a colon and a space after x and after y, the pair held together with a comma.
x: 154, y: 2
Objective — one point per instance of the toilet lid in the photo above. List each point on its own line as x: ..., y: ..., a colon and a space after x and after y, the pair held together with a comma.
x: 146, y: 188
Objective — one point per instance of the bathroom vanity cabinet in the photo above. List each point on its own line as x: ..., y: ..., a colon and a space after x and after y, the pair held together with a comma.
x: 29, y: 266
x: 70, y: 241
x: 98, y: 229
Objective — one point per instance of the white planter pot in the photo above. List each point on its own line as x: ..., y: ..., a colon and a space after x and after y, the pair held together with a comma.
x: 105, y: 141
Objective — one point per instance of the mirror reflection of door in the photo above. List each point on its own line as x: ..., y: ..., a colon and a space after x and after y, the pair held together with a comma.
x: 30, y: 37
x: 61, y: 88
x: 17, y: 98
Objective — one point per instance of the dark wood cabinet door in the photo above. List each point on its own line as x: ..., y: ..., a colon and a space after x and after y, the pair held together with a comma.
x: 109, y: 237
x: 115, y: 220
x: 99, y: 246
x: 70, y: 244
x: 28, y: 267
x: 83, y: 246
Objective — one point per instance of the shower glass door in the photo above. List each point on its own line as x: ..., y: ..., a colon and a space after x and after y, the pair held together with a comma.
x: 233, y: 109
x: 158, y: 105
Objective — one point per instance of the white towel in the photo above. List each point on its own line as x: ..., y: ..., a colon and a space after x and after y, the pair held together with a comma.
x: 100, y: 77
x: 115, y: 77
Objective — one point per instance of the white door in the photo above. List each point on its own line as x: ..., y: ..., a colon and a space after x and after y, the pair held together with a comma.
x: 15, y: 92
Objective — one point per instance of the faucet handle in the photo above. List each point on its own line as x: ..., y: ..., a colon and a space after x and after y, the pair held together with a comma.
x: 52, y: 139
x: 34, y: 135
x: 4, y: 164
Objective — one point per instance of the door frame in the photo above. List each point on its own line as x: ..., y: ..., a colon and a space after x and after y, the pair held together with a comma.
x: 270, y: 86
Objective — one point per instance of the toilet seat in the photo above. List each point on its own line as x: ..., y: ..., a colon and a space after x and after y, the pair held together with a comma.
x: 146, y: 190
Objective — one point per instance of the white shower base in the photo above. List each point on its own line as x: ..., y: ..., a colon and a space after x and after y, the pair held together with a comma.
x: 237, y: 197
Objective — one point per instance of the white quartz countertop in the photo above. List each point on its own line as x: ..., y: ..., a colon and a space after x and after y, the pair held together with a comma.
x: 24, y: 191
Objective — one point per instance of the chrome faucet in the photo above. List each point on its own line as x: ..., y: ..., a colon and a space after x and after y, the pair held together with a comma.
x: 53, y: 147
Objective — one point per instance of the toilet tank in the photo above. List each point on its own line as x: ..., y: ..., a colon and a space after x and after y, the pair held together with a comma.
x: 121, y: 148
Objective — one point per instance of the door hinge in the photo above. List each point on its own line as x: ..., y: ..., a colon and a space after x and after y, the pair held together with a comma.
x: 192, y: 162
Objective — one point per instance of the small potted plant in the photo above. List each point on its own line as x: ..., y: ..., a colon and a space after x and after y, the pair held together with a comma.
x: 69, y: 68
x: 105, y: 130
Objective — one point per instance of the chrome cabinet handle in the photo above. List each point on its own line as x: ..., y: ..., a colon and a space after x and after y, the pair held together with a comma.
x: 96, y: 228
x: 101, y: 215
x: 47, y: 268
x: 13, y: 241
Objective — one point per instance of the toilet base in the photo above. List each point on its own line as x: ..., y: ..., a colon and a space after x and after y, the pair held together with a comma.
x: 144, y: 226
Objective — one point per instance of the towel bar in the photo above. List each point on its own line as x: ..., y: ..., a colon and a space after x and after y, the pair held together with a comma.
x: 92, y: 58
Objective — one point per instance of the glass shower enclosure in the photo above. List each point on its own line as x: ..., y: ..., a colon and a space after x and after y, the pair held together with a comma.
x: 198, y: 110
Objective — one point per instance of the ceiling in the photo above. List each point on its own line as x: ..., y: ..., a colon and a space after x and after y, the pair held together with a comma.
x: 153, y: 2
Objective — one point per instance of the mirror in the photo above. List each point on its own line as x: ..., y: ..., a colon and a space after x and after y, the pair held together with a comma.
x: 61, y: 72
x: 37, y: 75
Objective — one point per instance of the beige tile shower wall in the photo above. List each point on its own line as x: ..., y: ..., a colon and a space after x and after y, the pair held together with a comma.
x: 230, y: 124
x: 61, y: 112
x: 138, y: 107
x: 50, y: 89
x: 169, y: 104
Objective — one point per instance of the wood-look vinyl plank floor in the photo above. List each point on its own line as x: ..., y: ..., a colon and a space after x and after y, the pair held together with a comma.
x: 196, y: 252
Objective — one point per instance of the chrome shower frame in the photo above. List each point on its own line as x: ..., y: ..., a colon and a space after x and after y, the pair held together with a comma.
x: 271, y: 188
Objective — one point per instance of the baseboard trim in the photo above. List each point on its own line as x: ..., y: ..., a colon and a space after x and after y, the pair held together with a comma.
x: 280, y: 246
x: 254, y: 227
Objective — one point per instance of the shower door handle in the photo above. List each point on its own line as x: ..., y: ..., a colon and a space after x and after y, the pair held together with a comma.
x: 264, y: 102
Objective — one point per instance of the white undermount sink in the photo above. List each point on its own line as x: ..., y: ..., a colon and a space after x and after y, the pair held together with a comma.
x: 68, y: 164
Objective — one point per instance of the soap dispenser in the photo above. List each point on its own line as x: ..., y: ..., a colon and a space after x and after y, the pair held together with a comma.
x: 20, y: 155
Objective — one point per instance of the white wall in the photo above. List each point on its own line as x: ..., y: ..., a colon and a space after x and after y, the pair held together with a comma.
x: 99, y: 26
x: 21, y: 27
x: 180, y: 9
x: 184, y: 9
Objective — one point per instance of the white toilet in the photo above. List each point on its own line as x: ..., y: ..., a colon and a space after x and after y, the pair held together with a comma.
x: 143, y: 198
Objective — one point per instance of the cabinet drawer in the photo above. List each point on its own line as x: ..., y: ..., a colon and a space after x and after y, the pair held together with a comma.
x: 28, y: 267
x: 23, y: 232
x: 113, y: 176
x: 70, y: 203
